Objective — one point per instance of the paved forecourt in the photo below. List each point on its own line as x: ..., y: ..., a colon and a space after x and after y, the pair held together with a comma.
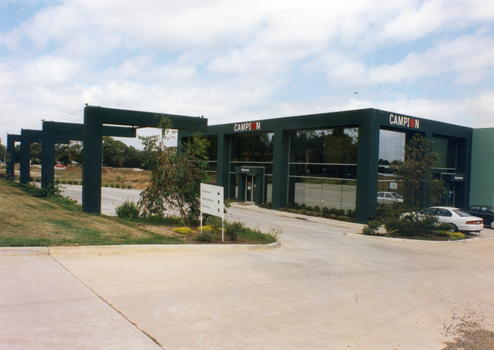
x: 326, y: 287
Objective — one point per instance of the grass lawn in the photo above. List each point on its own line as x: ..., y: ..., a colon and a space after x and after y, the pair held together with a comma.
x: 26, y: 220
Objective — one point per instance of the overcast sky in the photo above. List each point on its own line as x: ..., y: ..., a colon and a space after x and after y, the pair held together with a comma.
x: 245, y: 60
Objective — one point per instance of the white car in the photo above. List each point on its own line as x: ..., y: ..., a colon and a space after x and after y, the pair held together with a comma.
x: 389, y: 198
x: 462, y: 221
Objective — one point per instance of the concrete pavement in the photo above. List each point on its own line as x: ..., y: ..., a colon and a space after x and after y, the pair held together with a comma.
x: 326, y: 287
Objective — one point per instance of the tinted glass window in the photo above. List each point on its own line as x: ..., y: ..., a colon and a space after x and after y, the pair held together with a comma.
x: 429, y: 211
x: 328, y: 146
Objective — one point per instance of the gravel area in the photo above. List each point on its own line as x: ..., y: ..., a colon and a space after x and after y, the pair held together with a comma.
x: 469, y: 334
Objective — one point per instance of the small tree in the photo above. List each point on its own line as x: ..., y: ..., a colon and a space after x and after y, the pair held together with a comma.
x: 418, y: 185
x: 175, y: 176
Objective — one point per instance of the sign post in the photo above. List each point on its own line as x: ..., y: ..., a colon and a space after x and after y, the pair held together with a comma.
x: 212, y: 204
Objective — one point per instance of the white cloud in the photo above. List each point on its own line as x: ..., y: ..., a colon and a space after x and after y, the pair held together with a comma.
x: 243, y: 60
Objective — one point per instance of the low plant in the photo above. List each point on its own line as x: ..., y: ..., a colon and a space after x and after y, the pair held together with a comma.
x: 266, y: 205
x: 372, y: 228
x: 233, y: 229
x: 128, y: 210
x: 399, y: 227
x: 183, y: 230
x: 456, y: 236
x: 444, y: 226
x: 442, y: 233
x: 204, y: 237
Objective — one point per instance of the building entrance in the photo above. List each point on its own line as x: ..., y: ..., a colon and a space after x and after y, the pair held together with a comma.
x: 250, y: 186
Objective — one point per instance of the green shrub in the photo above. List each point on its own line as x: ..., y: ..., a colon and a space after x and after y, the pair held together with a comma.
x: 128, y: 210
x: 374, y: 224
x: 368, y: 231
x: 214, y: 222
x: 266, y: 205
x: 233, y: 229
x: 444, y: 226
x: 317, y: 209
x: 309, y: 208
x: 350, y: 213
x: 129, y: 187
x: 105, y: 185
x: 204, y: 237
x: 289, y: 205
x: 325, y: 210
x: 340, y: 212
x: 400, y: 227
x: 296, y: 206
x: 117, y: 186
x: 303, y: 206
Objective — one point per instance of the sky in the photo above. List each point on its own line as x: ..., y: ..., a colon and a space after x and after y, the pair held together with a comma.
x: 235, y: 60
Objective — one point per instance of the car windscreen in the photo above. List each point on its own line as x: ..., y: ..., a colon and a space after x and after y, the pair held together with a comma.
x: 397, y: 195
x: 462, y: 213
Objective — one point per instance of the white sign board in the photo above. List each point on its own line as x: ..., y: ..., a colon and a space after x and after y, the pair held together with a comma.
x: 212, y: 203
x: 212, y: 199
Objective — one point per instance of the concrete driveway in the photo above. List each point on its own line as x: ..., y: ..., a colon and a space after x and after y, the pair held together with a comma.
x: 326, y: 287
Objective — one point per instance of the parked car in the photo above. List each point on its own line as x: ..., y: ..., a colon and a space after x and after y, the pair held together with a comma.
x: 389, y: 198
x: 485, y: 212
x: 461, y: 220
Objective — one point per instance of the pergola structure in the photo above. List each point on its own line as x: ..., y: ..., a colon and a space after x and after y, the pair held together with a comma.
x: 94, y: 120
x: 53, y: 132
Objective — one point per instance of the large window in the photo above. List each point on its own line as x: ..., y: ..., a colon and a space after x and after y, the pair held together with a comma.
x: 391, y: 149
x: 447, y: 151
x: 253, y: 149
x: 323, y: 167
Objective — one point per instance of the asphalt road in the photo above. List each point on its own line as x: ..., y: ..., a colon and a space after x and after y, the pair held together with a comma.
x: 326, y: 287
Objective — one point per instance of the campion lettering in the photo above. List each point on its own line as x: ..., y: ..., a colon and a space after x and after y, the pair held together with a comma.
x: 404, y: 121
x: 247, y: 126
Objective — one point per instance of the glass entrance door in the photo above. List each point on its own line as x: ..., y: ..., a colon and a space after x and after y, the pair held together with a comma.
x: 250, y: 188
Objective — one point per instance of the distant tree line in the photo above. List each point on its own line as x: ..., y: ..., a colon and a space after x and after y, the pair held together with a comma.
x: 115, y: 154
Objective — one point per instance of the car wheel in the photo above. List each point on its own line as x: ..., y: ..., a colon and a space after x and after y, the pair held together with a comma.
x: 492, y: 224
x: 455, y: 229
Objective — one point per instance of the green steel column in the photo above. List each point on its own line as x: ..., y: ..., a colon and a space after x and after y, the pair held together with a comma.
x: 367, y: 168
x: 91, y: 171
x: 48, y: 166
x: 11, y: 140
x: 223, y: 171
x: 25, y: 157
x: 281, y: 153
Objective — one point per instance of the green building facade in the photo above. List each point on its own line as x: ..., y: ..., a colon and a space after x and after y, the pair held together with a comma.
x: 482, y: 179
x: 336, y: 160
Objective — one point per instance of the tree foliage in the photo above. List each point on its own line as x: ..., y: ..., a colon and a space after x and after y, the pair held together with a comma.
x: 117, y: 154
x: 175, y: 176
x: 3, y: 152
x: 68, y: 154
x: 418, y: 185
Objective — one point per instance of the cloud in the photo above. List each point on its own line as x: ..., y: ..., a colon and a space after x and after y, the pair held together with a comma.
x: 246, y: 60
